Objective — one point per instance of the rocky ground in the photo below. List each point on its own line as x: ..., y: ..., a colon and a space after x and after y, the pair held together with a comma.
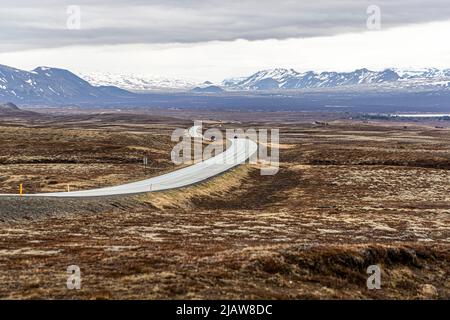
x: 348, y: 195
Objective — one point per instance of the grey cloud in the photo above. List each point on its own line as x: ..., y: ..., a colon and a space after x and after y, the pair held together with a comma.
x: 33, y: 24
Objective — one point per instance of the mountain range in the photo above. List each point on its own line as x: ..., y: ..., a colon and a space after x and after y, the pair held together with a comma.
x: 282, y: 79
x: 289, y: 79
x: 53, y: 86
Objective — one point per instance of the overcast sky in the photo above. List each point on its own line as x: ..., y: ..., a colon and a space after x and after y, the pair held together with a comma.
x: 213, y: 39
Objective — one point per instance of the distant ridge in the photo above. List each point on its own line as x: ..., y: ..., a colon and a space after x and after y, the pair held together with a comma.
x: 10, y: 109
x: 208, y: 89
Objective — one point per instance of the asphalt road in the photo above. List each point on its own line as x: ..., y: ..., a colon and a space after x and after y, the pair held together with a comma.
x: 237, y: 153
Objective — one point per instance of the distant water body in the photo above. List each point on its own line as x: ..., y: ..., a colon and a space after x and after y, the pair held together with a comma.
x: 424, y: 115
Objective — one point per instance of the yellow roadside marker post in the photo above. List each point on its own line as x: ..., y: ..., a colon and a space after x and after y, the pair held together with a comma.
x: 68, y: 188
x: 21, y: 189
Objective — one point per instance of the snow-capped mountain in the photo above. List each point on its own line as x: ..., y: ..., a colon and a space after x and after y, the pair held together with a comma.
x: 426, y: 73
x: 428, y: 78
x: 282, y: 79
x: 291, y: 79
x: 135, y: 82
x: 51, y: 85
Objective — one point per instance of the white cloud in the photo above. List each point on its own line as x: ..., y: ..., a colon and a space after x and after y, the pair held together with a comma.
x: 422, y: 45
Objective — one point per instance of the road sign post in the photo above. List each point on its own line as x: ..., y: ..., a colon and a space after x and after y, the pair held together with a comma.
x: 145, y: 163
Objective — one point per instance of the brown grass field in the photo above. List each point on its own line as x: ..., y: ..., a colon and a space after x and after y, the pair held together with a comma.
x: 348, y: 195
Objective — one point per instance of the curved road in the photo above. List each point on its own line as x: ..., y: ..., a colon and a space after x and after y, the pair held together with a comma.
x: 238, y: 152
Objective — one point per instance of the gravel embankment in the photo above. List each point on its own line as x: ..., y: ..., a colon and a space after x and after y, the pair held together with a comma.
x: 15, y: 208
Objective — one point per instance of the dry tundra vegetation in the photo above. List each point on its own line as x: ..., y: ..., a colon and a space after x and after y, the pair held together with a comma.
x: 348, y: 195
